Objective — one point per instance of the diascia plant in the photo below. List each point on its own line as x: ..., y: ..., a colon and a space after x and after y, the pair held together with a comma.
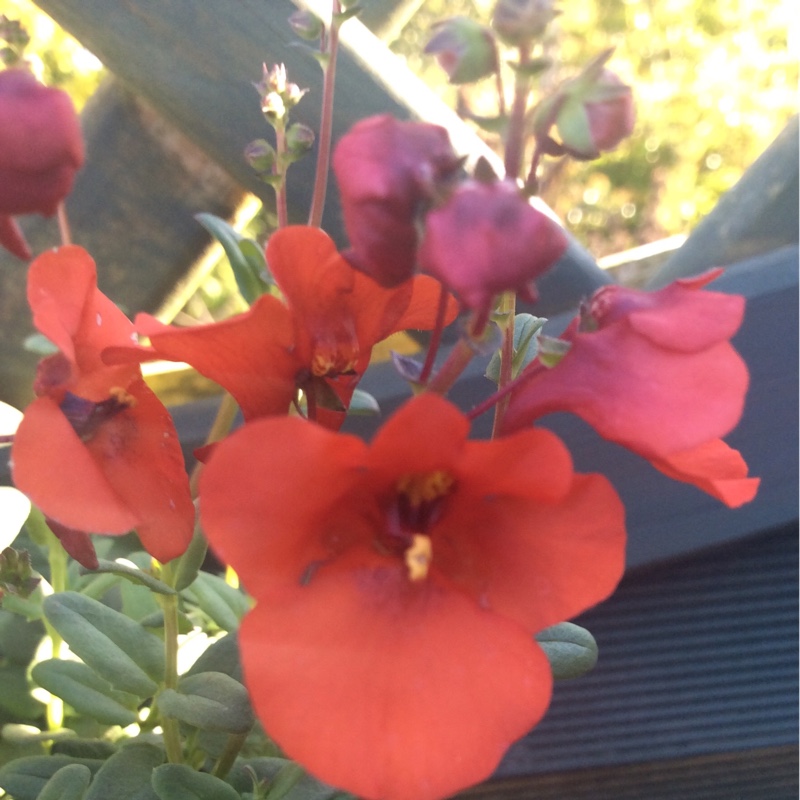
x: 405, y: 599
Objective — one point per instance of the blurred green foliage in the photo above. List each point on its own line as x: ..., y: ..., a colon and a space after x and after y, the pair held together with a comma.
x: 56, y: 57
x: 715, y: 82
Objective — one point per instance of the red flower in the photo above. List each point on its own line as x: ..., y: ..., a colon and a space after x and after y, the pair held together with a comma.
x: 656, y: 373
x: 488, y: 239
x: 323, y: 334
x: 97, y: 451
x: 386, y: 171
x: 399, y: 585
x: 40, y: 150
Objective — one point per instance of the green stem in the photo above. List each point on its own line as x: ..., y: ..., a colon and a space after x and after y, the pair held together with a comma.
x: 507, y: 306
x: 326, y: 121
x: 281, y: 203
x: 169, y: 605
x: 223, y: 422
x: 228, y: 756
x: 57, y: 559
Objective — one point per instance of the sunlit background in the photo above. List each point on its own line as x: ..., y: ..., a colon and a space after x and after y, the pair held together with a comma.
x: 715, y: 80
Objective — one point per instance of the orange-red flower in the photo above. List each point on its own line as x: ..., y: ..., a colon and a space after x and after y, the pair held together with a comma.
x: 399, y: 585
x: 40, y: 150
x: 321, y: 336
x: 655, y: 372
x: 96, y: 451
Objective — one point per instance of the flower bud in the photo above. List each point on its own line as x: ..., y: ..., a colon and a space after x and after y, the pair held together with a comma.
x: 306, y: 24
x: 278, y: 96
x: 260, y: 154
x: 464, y: 48
x: 40, y: 151
x: 387, y: 170
x: 299, y: 140
x: 522, y: 21
x: 488, y: 239
x: 593, y: 113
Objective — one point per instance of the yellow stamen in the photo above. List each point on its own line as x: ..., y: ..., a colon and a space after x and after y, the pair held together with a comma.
x: 427, y: 487
x: 122, y: 397
x: 418, y: 557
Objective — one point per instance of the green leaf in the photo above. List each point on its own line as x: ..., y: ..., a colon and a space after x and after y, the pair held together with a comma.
x: 188, y: 565
x: 15, y: 696
x: 179, y: 782
x: 570, y: 649
x: 132, y: 574
x: 526, y: 333
x: 85, y: 691
x: 69, y: 783
x: 245, y: 269
x: 113, y: 645
x: 222, y: 656
x: 24, y: 778
x: 209, y: 701
x: 224, y: 604
x: 363, y: 404
x: 268, y: 769
x: 126, y: 775
x: 532, y: 67
x: 287, y: 778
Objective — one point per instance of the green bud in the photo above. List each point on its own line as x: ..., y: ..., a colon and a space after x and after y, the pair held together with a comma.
x: 260, y: 155
x: 465, y: 49
x: 522, y: 21
x: 299, y: 140
x: 306, y: 24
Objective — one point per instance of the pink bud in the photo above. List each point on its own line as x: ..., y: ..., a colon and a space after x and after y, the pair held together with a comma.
x: 387, y: 170
x: 40, y: 150
x: 593, y: 113
x: 40, y: 145
x: 488, y: 239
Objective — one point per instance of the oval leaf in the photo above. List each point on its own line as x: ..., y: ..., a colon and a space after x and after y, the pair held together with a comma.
x: 85, y: 691
x: 224, y: 604
x: 571, y: 650
x: 210, y: 701
x: 117, y: 648
x: 24, y: 778
x: 179, y: 782
x: 69, y: 783
x: 126, y: 775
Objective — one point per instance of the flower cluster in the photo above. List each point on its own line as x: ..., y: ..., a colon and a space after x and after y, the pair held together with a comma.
x: 398, y: 584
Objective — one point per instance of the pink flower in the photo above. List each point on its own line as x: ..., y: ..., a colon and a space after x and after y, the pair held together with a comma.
x: 40, y: 150
x: 387, y: 171
x: 655, y: 372
x: 488, y: 239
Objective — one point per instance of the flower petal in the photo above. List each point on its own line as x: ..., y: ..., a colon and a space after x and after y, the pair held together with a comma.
x: 535, y: 562
x: 250, y: 355
x: 140, y: 455
x: 715, y: 468
x: 655, y: 401
x: 51, y: 465
x: 281, y: 476
x: 412, y: 691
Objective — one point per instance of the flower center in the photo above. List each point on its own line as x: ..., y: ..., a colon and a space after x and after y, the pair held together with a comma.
x: 86, y: 416
x: 416, y: 508
x: 334, y: 356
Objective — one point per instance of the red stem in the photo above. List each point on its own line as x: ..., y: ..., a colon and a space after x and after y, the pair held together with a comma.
x: 436, y: 337
x: 326, y: 123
